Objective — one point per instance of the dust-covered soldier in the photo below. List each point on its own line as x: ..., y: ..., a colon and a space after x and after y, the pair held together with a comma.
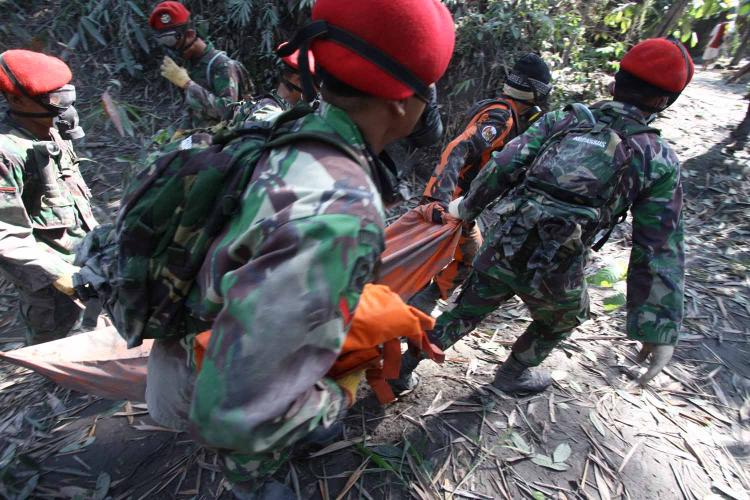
x: 44, y: 202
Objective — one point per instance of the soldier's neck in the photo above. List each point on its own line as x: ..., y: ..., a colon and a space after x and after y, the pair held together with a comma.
x: 195, y: 51
x: 37, y: 127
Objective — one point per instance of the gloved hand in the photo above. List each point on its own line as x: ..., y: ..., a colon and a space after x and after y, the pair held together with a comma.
x: 349, y: 383
x: 64, y: 283
x: 174, y: 73
x: 438, y: 213
x: 454, y: 207
x: 660, y: 356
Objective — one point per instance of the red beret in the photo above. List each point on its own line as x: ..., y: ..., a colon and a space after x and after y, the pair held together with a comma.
x: 168, y: 15
x: 418, y: 34
x: 293, y: 60
x: 38, y: 73
x: 663, y: 63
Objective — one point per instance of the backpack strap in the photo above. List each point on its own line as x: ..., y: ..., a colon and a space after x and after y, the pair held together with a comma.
x: 622, y: 127
x: 218, y: 54
x: 582, y: 113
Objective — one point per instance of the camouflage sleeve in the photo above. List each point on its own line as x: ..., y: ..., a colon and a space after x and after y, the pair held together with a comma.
x: 215, y: 103
x: 507, y: 167
x: 21, y: 257
x: 656, y: 272
x: 263, y: 383
x: 487, y: 132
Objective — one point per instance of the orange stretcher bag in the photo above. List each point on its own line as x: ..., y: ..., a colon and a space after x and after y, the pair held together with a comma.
x: 416, y: 250
x: 373, y: 343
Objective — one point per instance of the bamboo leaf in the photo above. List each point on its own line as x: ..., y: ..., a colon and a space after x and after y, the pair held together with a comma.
x: 562, y: 452
x: 92, y: 30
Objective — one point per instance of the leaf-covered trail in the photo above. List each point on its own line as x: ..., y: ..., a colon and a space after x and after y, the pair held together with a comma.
x: 593, y: 435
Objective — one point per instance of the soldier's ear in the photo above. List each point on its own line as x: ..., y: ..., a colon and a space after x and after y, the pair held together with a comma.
x: 398, y: 106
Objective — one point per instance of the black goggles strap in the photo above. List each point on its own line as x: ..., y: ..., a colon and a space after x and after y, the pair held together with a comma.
x: 53, y: 110
x: 323, y: 30
x: 689, y: 70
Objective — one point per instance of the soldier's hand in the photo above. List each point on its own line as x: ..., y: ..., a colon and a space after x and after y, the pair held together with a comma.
x: 658, y: 357
x: 454, y: 208
x: 438, y: 213
x: 64, y: 284
x: 174, y: 73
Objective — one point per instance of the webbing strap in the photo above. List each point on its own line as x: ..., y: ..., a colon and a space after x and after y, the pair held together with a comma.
x: 218, y: 54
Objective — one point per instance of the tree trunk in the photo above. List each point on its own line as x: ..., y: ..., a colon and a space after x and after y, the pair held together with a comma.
x: 670, y: 19
x: 743, y: 45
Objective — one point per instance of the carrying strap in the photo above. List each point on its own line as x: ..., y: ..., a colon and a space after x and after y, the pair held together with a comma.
x: 582, y: 113
x: 218, y: 54
x: 619, y: 124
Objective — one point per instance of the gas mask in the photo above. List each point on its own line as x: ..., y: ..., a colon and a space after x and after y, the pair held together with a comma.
x: 171, y: 41
x: 60, y: 106
x: 66, y: 118
x: 429, y: 128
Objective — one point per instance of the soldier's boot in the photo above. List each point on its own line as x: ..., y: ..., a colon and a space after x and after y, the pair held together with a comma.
x: 516, y: 377
x: 426, y: 299
x: 407, y: 380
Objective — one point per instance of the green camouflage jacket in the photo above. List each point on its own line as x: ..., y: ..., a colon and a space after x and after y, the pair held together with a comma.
x: 280, y: 285
x: 215, y: 86
x: 263, y: 108
x: 44, y: 207
x: 653, y: 191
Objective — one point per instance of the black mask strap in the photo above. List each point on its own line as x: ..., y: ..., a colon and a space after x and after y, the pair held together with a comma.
x: 323, y: 30
x: 689, y: 70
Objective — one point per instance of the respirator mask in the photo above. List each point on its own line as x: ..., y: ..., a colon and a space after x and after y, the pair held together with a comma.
x: 171, y: 39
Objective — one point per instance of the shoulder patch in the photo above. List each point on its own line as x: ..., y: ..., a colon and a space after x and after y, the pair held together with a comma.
x: 489, y: 133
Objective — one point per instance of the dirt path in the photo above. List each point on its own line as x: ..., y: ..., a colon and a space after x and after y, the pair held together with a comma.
x: 591, y: 436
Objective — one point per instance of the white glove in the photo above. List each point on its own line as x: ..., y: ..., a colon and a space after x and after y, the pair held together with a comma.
x: 454, y: 207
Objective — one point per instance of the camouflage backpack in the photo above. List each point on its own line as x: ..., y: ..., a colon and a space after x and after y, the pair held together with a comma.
x: 582, y: 167
x: 171, y: 214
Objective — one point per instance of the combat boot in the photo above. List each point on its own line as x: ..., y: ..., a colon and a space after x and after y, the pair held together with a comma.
x: 407, y: 380
x: 516, y: 377
x: 427, y: 298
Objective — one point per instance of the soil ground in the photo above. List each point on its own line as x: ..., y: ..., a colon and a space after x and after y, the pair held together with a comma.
x: 592, y: 435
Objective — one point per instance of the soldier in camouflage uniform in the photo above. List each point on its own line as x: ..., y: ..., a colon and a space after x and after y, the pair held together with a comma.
x: 492, y: 124
x: 287, y: 94
x: 652, y: 75
x: 283, y: 279
x: 45, y: 211
x: 213, y: 82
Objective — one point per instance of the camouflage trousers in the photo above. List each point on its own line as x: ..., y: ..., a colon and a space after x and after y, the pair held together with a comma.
x: 48, y: 314
x: 459, y: 269
x: 169, y: 393
x: 554, y: 315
